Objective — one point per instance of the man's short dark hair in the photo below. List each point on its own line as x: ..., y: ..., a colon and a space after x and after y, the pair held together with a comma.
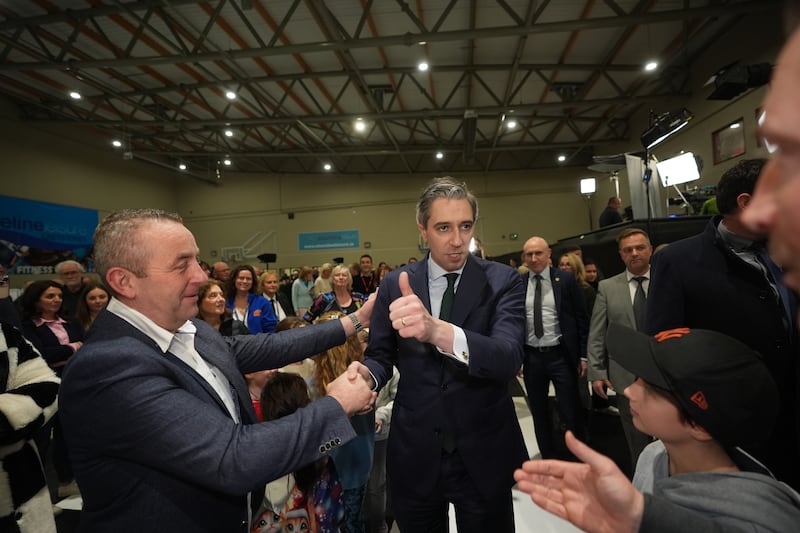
x: 627, y: 232
x: 365, y: 255
x: 739, y: 179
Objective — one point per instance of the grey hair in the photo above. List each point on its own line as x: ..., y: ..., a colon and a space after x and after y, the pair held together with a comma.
x: 119, y: 243
x: 346, y: 269
x: 60, y: 266
x: 446, y: 187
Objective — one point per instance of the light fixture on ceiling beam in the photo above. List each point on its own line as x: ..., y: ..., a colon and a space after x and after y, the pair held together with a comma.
x: 75, y: 95
x: 439, y: 155
x: 423, y: 66
x: 561, y: 158
x: 664, y: 126
x: 230, y: 95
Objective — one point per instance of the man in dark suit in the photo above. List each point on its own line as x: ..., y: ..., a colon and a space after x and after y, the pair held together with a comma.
x: 723, y: 280
x: 555, y: 345
x: 610, y: 214
x: 158, y: 417
x: 455, y: 436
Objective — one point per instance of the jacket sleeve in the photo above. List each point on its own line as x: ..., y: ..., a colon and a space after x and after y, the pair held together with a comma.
x: 47, y: 344
x: 28, y: 388
x: 662, y: 516
x: 596, y: 345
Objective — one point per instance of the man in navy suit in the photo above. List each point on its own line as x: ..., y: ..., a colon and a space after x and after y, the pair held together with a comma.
x: 155, y: 409
x: 555, y: 345
x: 455, y: 436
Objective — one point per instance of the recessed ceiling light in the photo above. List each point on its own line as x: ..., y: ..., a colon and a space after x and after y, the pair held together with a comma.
x: 650, y: 66
x: 230, y: 95
x: 511, y: 124
x: 228, y: 133
x: 75, y: 95
x: 327, y: 166
x: 422, y: 66
x: 116, y: 143
x: 562, y: 158
x: 439, y: 155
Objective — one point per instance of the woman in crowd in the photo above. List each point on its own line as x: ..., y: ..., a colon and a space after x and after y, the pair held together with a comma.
x: 302, y: 291
x: 211, y: 309
x: 270, y: 289
x: 249, y: 307
x: 95, y: 299
x: 341, y: 298
x: 572, y: 263
x: 323, y: 283
x: 353, y: 460
x: 383, y: 269
x: 56, y: 339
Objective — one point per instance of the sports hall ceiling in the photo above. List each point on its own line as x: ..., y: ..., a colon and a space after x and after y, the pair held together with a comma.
x: 153, y: 74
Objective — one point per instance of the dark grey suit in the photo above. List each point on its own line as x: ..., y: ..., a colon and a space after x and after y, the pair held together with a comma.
x: 153, y: 446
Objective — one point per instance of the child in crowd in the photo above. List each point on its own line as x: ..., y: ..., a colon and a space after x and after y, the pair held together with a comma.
x: 702, y: 394
x: 310, y: 499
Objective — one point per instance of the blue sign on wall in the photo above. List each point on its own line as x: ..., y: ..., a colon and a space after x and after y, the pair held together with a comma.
x: 35, y: 236
x: 328, y: 240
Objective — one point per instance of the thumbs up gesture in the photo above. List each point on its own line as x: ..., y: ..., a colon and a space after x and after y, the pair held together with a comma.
x: 410, y: 317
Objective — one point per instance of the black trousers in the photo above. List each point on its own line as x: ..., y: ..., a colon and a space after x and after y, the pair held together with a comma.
x: 541, y: 368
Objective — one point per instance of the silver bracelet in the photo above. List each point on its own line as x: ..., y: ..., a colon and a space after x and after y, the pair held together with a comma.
x: 356, y: 322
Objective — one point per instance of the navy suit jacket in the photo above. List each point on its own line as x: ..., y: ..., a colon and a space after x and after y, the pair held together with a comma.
x: 437, y: 393
x: 154, y: 448
x: 573, y: 319
x: 700, y: 283
x: 43, y: 338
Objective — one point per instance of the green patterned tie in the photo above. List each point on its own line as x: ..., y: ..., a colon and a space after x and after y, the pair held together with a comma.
x: 449, y: 296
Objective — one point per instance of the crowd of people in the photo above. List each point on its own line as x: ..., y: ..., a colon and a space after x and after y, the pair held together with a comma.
x: 186, y: 401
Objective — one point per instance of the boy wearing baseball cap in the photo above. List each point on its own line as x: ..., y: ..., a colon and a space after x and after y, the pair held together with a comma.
x: 703, y: 394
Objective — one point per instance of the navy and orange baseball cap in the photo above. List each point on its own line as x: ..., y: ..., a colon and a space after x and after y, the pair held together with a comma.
x: 721, y: 383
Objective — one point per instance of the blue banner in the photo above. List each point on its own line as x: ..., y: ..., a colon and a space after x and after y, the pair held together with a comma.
x: 35, y: 236
x: 328, y: 240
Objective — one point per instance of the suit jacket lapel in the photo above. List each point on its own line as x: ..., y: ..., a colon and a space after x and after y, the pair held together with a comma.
x: 418, y: 279
x: 226, y: 365
x: 555, y: 280
x: 625, y: 293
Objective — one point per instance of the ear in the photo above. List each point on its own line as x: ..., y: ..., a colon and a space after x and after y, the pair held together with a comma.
x: 743, y: 200
x: 122, y: 282
x: 423, y: 232
x: 699, y: 433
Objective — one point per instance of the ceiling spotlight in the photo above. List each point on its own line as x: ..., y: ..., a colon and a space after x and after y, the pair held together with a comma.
x: 422, y: 66
x: 735, y: 125
x: 439, y: 155
x: 511, y: 124
x: 650, y: 66
x: 116, y: 143
x: 75, y: 95
x: 561, y: 158
x: 227, y: 162
x: 360, y: 126
x: 327, y: 166
x: 230, y: 95
x: 182, y: 166
x: 228, y: 133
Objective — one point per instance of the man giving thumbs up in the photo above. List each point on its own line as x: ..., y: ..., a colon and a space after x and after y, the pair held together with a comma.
x: 454, y: 326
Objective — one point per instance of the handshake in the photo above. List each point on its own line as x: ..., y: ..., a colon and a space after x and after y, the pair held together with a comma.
x: 353, y: 389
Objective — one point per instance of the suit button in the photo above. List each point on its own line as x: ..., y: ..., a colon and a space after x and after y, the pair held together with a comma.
x: 322, y: 449
x: 338, y: 441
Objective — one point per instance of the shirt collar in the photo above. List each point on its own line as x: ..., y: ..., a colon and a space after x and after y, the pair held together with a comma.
x: 545, y: 273
x: 38, y: 321
x: 436, y: 272
x: 630, y: 275
x: 736, y: 242
x: 159, y: 335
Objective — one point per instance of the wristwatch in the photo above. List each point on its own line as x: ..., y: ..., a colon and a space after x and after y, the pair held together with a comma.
x: 356, y: 322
